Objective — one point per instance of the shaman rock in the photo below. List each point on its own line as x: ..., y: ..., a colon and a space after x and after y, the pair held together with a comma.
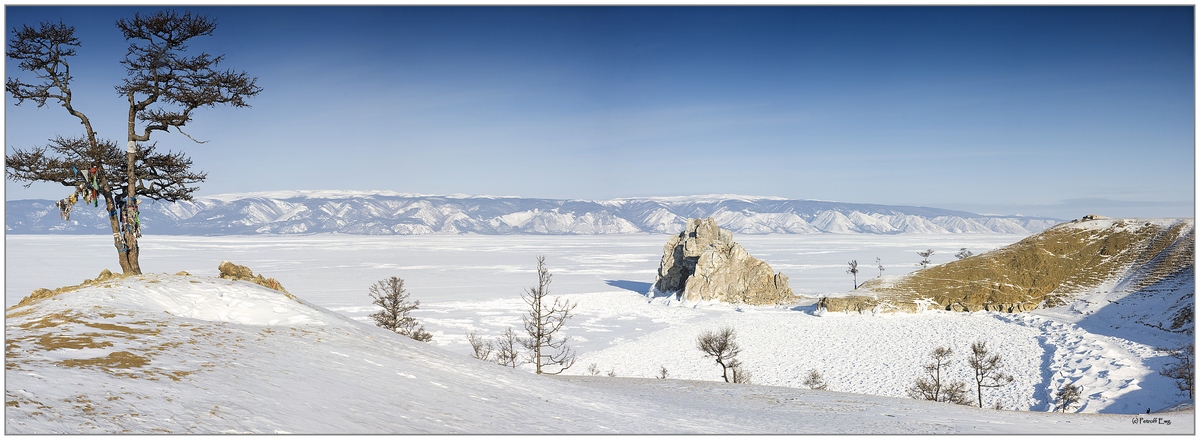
x: 704, y: 263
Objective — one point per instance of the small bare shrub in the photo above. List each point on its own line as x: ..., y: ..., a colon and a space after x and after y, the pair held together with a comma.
x: 1183, y: 370
x: 814, y: 381
x: 1067, y: 397
x: 720, y: 345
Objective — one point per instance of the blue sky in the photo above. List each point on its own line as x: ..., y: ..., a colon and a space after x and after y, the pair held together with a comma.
x: 1055, y: 111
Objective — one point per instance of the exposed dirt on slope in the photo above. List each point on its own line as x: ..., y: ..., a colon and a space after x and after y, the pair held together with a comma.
x: 43, y: 293
x: 1044, y: 270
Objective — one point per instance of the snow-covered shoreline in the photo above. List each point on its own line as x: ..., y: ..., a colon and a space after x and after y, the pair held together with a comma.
x: 206, y: 355
x: 474, y: 283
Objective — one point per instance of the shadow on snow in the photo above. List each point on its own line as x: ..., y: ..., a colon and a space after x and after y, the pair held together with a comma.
x: 632, y: 286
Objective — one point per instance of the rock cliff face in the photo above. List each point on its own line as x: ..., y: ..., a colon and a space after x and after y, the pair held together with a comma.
x: 704, y: 263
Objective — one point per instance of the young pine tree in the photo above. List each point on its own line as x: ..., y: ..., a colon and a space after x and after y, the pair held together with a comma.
x: 853, y: 270
x: 1067, y: 397
x: 925, y: 258
x: 390, y: 296
x: 936, y: 387
x: 987, y: 370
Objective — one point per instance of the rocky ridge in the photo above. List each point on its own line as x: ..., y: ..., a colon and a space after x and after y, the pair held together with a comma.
x: 1050, y: 269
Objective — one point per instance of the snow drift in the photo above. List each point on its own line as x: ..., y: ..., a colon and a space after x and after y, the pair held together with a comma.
x: 193, y: 354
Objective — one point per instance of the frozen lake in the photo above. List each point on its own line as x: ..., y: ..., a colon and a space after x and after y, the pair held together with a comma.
x: 474, y: 283
x: 335, y: 270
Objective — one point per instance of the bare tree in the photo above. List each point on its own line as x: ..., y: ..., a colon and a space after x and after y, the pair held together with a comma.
x: 593, y: 370
x: 931, y: 388
x: 662, y: 373
x: 935, y: 387
x: 879, y: 263
x: 506, y: 351
x: 1183, y: 370
x: 721, y: 346
x: 853, y: 270
x: 925, y: 258
x: 987, y: 370
x: 814, y: 381
x: 481, y: 350
x: 612, y: 372
x: 963, y: 253
x: 1067, y: 397
x: 543, y: 323
x: 389, y: 294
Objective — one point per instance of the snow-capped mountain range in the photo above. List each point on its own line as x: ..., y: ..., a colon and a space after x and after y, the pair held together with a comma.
x: 391, y: 213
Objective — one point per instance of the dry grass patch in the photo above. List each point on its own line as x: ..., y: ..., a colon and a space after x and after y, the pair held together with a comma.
x: 1043, y: 270
x: 116, y: 360
x: 59, y: 342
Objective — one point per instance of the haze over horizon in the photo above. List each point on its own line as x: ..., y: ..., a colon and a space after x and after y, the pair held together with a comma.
x: 1039, y: 111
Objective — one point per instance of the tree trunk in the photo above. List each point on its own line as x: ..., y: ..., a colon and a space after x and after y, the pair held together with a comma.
x: 979, y: 392
x: 537, y: 350
x: 122, y: 256
x: 131, y: 239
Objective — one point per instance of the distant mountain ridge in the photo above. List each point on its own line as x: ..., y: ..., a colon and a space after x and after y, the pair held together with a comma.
x: 392, y: 213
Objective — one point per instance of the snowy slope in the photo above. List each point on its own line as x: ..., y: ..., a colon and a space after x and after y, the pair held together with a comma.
x: 194, y: 354
x: 391, y: 213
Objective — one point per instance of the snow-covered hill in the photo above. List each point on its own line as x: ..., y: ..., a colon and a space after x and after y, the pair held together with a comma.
x: 193, y: 354
x: 1112, y: 258
x: 390, y: 213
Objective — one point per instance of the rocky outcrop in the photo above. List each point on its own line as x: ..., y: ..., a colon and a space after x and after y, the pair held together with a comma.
x: 237, y: 272
x: 704, y: 263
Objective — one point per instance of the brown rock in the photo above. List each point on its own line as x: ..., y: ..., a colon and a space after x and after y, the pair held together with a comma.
x: 236, y: 272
